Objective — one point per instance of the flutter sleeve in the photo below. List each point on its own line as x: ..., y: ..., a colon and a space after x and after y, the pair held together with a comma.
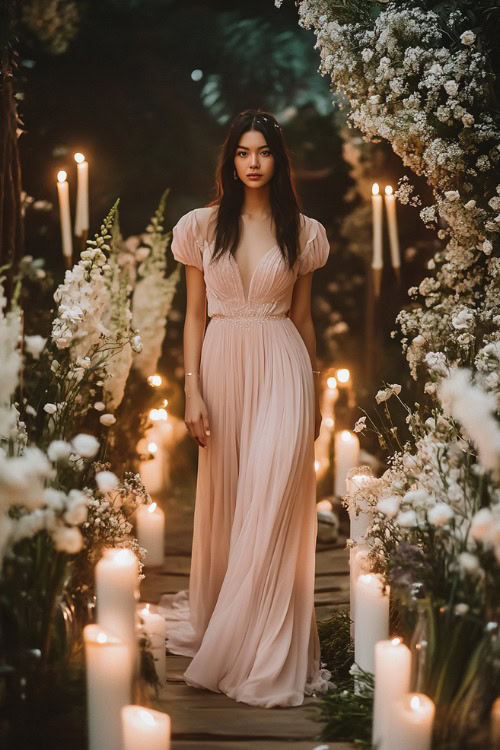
x: 316, y: 250
x: 187, y: 245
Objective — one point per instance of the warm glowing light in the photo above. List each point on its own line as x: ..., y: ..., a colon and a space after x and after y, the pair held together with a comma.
x: 61, y: 176
x: 152, y: 447
x: 395, y: 641
x: 101, y: 638
x: 332, y: 383
x: 79, y: 158
x: 415, y: 703
x: 366, y: 578
x: 388, y: 189
x: 346, y: 436
x: 152, y: 508
x: 155, y: 380
x: 316, y: 465
x: 324, y: 505
x: 343, y: 375
x: 158, y: 414
x: 375, y: 188
x: 165, y: 402
x: 147, y: 718
x: 329, y: 422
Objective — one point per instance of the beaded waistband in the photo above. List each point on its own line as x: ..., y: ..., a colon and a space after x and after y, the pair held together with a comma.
x: 247, y: 320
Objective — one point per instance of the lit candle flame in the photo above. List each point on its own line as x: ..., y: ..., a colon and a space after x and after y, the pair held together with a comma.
x: 79, y: 158
x: 152, y: 447
x: 375, y: 188
x: 415, y: 703
x: 152, y: 508
x: 343, y: 375
x: 155, y: 380
x: 332, y: 383
x: 147, y: 718
x: 346, y: 436
x: 396, y: 642
x: 316, y: 465
x: 61, y: 176
x: 388, y: 189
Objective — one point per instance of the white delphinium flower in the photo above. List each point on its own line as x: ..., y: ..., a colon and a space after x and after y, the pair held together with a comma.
x: 106, y: 481
x: 392, y: 390
x: 107, y: 419
x: 440, y: 514
x: 85, y: 445
x: 34, y: 345
x: 360, y: 425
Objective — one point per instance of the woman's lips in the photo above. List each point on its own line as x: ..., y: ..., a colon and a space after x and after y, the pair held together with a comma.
x: 254, y: 176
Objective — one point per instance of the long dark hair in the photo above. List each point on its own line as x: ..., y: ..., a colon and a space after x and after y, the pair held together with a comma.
x: 285, y: 204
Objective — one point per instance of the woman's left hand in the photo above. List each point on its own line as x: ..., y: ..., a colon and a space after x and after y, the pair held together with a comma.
x: 317, y: 422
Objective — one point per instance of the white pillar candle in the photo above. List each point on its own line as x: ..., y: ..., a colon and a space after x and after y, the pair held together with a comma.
x: 155, y: 628
x: 372, y: 618
x: 82, y: 196
x: 151, y: 533
x: 346, y: 456
x: 411, y: 723
x: 109, y: 685
x: 392, y: 682
x: 392, y: 223
x: 358, y: 564
x: 145, y: 728
x: 116, y: 576
x: 64, y: 214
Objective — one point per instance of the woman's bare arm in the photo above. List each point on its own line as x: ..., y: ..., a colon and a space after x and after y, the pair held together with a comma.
x: 196, y: 416
x: 300, y: 314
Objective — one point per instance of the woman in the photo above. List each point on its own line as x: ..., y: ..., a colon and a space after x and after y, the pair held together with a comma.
x: 252, y: 405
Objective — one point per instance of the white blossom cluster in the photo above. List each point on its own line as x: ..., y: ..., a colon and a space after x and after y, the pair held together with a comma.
x: 154, y: 292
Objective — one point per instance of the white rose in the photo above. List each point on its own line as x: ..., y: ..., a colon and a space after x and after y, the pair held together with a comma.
x: 469, y: 562
x: 67, y: 539
x: 107, y: 419
x: 407, y: 519
x: 440, y: 514
x: 389, y: 506
x: 50, y: 408
x: 59, y: 450
x: 106, y: 481
x: 85, y: 445
x: 34, y: 345
x: 468, y: 37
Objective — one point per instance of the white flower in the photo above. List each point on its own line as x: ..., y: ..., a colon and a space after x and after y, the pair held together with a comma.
x: 461, y: 609
x: 389, y: 506
x: 107, y: 419
x: 76, y: 514
x: 469, y: 562
x: 85, y: 445
x: 392, y: 390
x: 50, y: 408
x: 136, y: 344
x: 452, y: 195
x: 451, y: 88
x: 487, y: 247
x: 481, y: 525
x: 106, y: 481
x: 99, y: 406
x: 67, y: 539
x: 34, y: 345
x: 462, y: 320
x: 440, y: 514
x: 360, y: 425
x: 468, y: 37
x: 59, y: 450
x: 407, y: 519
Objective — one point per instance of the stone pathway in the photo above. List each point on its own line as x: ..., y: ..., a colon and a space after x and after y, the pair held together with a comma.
x: 204, y: 720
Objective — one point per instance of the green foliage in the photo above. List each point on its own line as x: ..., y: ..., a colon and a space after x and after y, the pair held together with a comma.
x: 337, y: 648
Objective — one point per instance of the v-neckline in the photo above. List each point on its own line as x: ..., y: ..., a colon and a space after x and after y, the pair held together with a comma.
x: 238, y: 272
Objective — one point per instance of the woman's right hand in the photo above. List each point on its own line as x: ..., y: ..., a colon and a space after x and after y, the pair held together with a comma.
x: 196, y: 419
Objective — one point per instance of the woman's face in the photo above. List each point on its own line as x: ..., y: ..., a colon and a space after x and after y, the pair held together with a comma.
x: 253, y: 157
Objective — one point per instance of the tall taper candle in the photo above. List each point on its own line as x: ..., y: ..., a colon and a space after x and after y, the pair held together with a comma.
x: 64, y: 215
x: 377, y: 257
x: 82, y: 195
x: 346, y: 457
x: 109, y: 686
x: 392, y: 223
x: 151, y: 533
x: 372, y: 618
x: 392, y: 682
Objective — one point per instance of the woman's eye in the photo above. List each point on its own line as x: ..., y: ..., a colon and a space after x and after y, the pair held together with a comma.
x: 242, y: 153
x: 265, y: 153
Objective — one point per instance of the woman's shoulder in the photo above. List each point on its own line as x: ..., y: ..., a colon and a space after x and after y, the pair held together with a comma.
x: 309, y: 228
x: 197, y: 220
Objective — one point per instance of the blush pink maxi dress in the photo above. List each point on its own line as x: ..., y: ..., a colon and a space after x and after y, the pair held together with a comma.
x: 248, y: 619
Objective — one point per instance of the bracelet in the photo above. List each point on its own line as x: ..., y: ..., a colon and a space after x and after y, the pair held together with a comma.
x: 317, y: 372
x: 192, y: 373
